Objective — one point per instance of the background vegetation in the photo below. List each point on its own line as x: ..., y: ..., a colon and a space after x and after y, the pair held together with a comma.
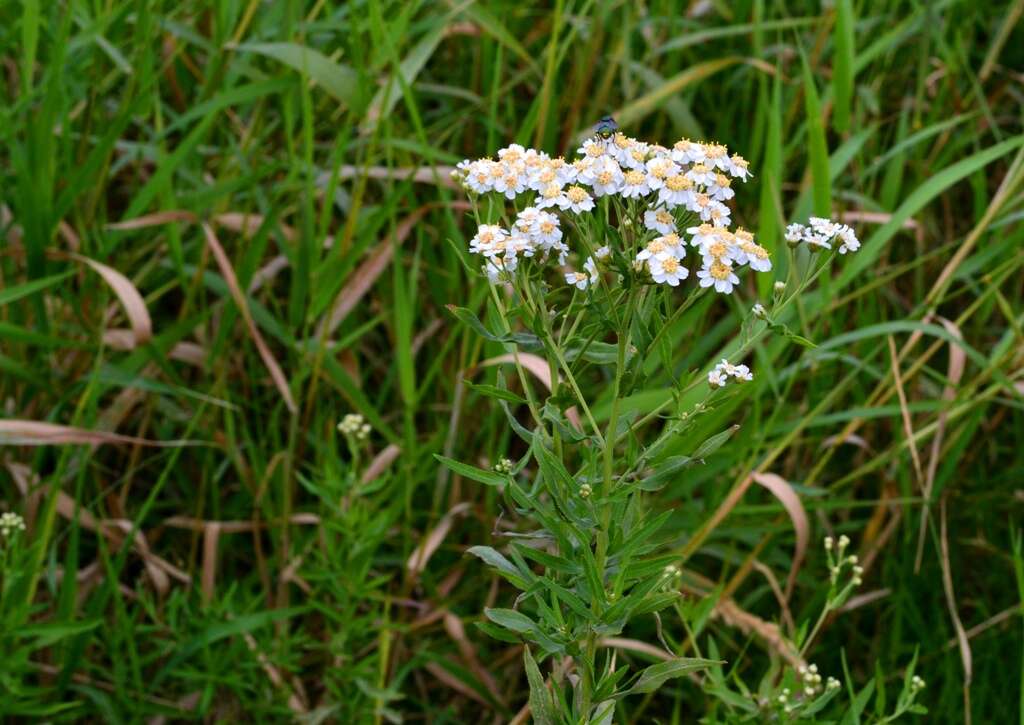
x: 216, y: 243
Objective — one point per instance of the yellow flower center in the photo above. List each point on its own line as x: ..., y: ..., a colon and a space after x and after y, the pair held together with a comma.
x: 656, y: 247
x: 720, y: 271
x: 717, y: 249
x: 604, y: 178
x: 634, y: 178
x: 551, y: 191
x: 743, y: 235
x: 547, y: 226
x: 714, y: 151
x: 593, y: 150
x: 663, y: 217
x: 722, y: 180
x: 576, y: 194
x: 678, y: 182
x: 670, y: 265
x: 700, y: 169
x: 622, y: 141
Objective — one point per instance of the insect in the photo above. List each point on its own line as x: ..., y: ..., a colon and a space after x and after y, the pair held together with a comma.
x: 606, y: 127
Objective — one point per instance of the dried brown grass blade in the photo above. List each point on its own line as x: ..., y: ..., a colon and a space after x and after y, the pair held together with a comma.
x: 454, y: 683
x: 15, y: 432
x: 418, y: 559
x: 208, y: 580
x: 455, y: 629
x: 954, y: 373
x: 635, y: 645
x: 381, y: 462
x: 540, y: 369
x: 132, y: 302
x: 367, y: 273
x: 228, y: 273
x: 249, y: 224
x: 908, y: 427
x: 115, y: 530
x: 153, y: 220
x: 947, y: 585
x: 783, y: 491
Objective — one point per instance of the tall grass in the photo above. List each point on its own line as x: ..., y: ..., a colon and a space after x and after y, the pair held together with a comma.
x: 226, y: 224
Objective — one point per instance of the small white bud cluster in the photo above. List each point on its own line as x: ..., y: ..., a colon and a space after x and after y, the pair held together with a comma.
x: 837, y: 560
x: 585, y: 490
x: 759, y: 311
x: 354, y: 425
x: 916, y: 684
x: 504, y: 465
x: 10, y: 523
x: 811, y: 678
x: 784, y: 696
x: 832, y: 684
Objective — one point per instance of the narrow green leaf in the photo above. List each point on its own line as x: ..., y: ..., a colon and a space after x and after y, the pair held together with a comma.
x: 541, y: 706
x: 657, y: 675
x: 338, y: 80
x: 842, y: 65
x: 490, y: 478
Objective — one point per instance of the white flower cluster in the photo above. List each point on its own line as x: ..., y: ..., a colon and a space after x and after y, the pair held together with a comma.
x: 822, y: 233
x: 689, y: 182
x: 836, y: 565
x: 10, y: 522
x: 504, y: 465
x: 352, y: 425
x: 724, y: 370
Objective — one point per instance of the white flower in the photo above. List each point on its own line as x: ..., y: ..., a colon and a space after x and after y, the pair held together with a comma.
x: 591, y: 267
x: 716, y: 156
x: 495, y: 267
x: 480, y: 175
x: 10, y: 522
x: 489, y: 240
x: 721, y: 188
x: 821, y: 233
x: 604, y: 177
x: 659, y: 169
x: 546, y: 231
x: 634, y: 184
x: 636, y: 155
x: 758, y: 310
x: 593, y: 148
x: 738, y: 167
x: 576, y: 200
x: 353, y: 425
x: 550, y: 195
x: 677, y: 191
x: 848, y: 240
x: 666, y: 269
x: 724, y: 370
x: 749, y: 253
x: 686, y: 151
x: 720, y: 248
x: 667, y: 244
x: 577, y: 279
x: 660, y: 220
x: 700, y: 175
x: 602, y: 252
x: 720, y: 275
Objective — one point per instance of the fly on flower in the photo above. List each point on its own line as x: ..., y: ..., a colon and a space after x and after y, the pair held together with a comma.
x: 606, y: 127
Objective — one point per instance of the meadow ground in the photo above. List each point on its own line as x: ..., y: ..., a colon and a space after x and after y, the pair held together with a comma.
x: 226, y: 224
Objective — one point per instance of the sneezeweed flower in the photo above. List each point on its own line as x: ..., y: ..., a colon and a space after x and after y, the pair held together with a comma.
x: 666, y: 269
x: 10, y: 523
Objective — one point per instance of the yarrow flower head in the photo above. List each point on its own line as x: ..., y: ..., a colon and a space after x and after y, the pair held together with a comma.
x: 656, y: 191
x: 10, y: 523
x: 353, y: 425
x: 823, y: 233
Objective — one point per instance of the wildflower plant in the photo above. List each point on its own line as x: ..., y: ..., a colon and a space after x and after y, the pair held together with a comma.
x: 591, y: 262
